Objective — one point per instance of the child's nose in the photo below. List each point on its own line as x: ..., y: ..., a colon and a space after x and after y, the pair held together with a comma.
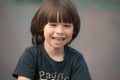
x: 60, y: 30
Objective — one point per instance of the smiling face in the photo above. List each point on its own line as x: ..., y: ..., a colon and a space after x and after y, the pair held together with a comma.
x: 57, y: 35
x: 54, y: 11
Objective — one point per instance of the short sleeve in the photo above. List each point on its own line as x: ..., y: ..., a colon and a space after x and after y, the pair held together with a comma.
x: 26, y: 65
x: 80, y: 70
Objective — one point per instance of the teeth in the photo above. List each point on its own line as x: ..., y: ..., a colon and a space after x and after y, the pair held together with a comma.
x: 59, y: 38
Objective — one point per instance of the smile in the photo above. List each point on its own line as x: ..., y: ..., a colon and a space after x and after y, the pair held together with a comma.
x: 58, y: 38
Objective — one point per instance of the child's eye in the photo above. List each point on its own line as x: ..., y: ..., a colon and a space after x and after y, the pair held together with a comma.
x: 67, y: 25
x: 53, y: 24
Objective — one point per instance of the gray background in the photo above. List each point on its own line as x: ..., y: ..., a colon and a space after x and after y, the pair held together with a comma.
x: 99, y: 38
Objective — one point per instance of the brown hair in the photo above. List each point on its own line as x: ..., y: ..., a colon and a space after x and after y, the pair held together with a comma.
x: 48, y: 13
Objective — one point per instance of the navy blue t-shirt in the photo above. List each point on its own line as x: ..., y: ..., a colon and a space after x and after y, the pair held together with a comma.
x: 36, y: 64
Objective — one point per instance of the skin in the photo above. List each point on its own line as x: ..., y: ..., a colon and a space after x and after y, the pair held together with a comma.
x: 22, y: 78
x: 56, y: 35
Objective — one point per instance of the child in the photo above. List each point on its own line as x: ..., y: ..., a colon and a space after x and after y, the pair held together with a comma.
x: 55, y: 25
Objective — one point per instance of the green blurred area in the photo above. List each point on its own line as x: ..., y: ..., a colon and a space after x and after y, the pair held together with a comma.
x: 113, y: 5
x: 20, y: 1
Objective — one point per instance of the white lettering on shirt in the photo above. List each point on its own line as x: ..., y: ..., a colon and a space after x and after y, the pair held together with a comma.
x: 52, y: 76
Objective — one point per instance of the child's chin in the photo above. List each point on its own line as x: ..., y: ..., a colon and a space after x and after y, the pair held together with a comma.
x: 58, y: 46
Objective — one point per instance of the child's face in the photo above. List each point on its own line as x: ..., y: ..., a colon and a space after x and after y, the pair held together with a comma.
x: 57, y: 34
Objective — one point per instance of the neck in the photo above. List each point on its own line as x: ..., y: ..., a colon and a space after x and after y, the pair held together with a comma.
x: 56, y: 54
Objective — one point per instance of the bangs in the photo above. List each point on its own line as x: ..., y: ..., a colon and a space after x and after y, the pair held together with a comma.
x: 59, y: 15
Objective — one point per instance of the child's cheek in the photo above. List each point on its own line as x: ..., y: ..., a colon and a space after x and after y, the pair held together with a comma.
x: 69, y: 35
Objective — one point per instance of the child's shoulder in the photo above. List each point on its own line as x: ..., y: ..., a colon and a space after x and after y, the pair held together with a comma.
x: 74, y: 52
x: 33, y: 49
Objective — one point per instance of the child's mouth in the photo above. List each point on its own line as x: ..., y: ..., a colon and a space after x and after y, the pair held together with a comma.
x: 58, y: 38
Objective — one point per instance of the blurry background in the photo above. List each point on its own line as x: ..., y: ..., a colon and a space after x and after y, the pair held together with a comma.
x: 99, y: 38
